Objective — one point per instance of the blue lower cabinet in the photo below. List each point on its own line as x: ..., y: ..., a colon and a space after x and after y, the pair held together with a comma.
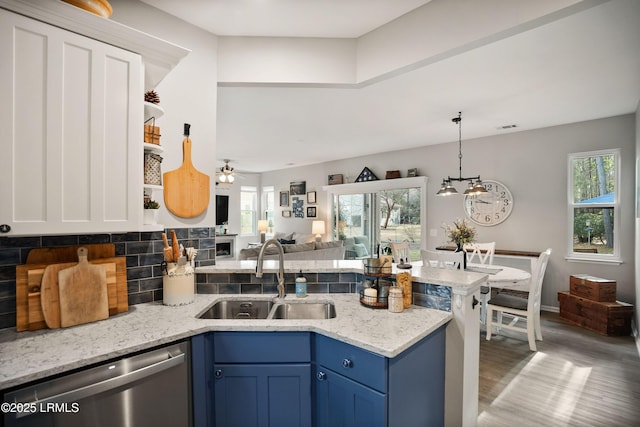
x: 341, y: 402
x: 262, y: 395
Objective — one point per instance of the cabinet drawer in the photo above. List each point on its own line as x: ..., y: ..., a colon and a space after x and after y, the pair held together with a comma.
x: 352, y: 362
x: 261, y: 347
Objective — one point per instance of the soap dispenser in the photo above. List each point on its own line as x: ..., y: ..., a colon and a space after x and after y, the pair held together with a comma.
x: 301, y: 286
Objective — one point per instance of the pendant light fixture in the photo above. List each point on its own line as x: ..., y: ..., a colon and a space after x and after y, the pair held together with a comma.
x: 225, y: 173
x: 447, y: 188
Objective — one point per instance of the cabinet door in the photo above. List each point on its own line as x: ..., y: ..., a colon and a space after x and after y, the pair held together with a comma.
x: 262, y: 395
x: 70, y: 131
x: 341, y: 402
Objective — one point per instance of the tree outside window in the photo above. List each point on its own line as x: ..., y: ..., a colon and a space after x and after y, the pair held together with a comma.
x: 593, y: 203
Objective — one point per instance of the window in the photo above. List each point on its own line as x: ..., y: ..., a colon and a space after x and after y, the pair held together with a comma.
x: 594, y: 205
x: 248, y: 210
x: 268, y: 205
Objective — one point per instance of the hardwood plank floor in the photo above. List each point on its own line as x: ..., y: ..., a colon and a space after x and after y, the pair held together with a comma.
x: 576, y: 378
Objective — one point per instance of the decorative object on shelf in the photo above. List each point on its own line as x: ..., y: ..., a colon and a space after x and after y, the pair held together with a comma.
x: 392, y: 175
x: 151, y: 131
x: 263, y: 226
x: 412, y: 172
x: 97, y: 7
x: 335, y: 179
x: 286, y: 214
x: 366, y: 175
x: 186, y: 190
x: 317, y: 228
x: 226, y: 174
x: 297, y: 205
x: 284, y: 198
x: 447, y: 187
x: 311, y: 212
x: 298, y: 188
x: 150, y: 213
x: 490, y: 208
x: 152, y: 97
x: 152, y: 170
x: 461, y: 233
x: 311, y: 197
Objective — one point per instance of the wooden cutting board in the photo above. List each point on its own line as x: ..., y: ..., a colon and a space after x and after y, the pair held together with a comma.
x: 70, y: 253
x: 83, y: 292
x: 186, y: 190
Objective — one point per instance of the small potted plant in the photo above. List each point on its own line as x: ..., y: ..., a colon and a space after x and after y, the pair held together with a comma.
x: 150, y: 211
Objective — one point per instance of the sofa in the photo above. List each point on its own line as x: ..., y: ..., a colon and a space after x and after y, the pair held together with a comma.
x: 298, y: 247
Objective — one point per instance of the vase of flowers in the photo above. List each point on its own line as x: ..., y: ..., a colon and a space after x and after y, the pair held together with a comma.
x: 460, y: 233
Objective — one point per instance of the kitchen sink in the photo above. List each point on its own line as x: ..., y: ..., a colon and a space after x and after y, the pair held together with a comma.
x: 268, y: 309
x: 325, y: 310
x: 238, y: 309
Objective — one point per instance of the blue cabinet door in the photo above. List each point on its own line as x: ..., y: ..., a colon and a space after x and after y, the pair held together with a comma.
x: 262, y: 395
x: 341, y: 402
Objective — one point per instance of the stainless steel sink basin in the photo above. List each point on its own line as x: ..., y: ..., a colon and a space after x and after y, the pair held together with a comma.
x: 325, y: 310
x: 238, y: 309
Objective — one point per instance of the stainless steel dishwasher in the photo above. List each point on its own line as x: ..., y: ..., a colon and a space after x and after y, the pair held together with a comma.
x: 148, y: 389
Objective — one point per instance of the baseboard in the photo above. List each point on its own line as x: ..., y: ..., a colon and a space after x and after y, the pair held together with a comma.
x: 550, y: 308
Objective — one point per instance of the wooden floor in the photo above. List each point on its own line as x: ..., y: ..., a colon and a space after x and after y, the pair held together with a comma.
x: 576, y: 378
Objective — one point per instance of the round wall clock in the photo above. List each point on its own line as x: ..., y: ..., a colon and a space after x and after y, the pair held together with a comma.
x: 490, y: 208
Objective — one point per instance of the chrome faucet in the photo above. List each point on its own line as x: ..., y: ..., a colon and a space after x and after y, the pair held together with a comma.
x: 281, y: 289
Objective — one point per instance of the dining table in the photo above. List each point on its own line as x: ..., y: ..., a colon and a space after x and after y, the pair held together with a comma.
x: 501, y: 277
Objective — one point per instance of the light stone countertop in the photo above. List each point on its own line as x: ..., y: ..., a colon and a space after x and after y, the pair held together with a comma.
x: 30, y: 356
x: 461, y: 282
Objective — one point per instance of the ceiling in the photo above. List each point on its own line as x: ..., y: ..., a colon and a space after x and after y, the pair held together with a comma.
x: 578, y: 67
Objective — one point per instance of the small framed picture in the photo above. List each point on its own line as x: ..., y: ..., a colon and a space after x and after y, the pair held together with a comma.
x: 311, y: 211
x: 286, y: 214
x: 412, y: 172
x: 298, y: 188
x: 311, y: 197
x: 284, y: 198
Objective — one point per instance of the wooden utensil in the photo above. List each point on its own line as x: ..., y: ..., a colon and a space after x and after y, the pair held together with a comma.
x: 83, y: 292
x: 168, y: 251
x: 186, y: 190
x: 175, y: 246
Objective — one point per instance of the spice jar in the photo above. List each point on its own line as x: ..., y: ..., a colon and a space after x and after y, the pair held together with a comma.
x: 396, y: 303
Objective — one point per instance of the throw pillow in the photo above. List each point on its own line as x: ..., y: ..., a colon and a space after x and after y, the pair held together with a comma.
x: 286, y: 242
x: 281, y: 235
x: 361, y: 250
x: 304, y: 238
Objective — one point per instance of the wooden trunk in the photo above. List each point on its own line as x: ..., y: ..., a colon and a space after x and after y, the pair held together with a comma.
x: 593, y: 288
x: 607, y: 318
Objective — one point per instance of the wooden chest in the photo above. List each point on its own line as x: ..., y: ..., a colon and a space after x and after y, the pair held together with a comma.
x: 607, y: 318
x: 593, y: 288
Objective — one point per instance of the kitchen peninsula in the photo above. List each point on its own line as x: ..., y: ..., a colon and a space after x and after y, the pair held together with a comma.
x: 453, y: 291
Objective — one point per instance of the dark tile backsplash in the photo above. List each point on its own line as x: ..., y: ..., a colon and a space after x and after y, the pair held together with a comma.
x: 143, y: 251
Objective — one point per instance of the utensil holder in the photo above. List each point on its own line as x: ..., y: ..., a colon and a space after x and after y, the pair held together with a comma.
x: 178, y: 287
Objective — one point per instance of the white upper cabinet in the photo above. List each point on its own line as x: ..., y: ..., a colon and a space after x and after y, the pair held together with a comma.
x: 70, y: 131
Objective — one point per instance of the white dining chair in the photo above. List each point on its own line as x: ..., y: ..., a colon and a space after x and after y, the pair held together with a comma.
x: 449, y: 260
x: 400, y: 252
x: 521, y: 308
x: 483, y: 251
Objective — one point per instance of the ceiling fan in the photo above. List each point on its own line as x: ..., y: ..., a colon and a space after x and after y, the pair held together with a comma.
x: 225, y: 173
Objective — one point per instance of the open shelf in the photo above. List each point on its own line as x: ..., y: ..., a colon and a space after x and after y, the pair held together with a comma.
x: 152, y: 110
x: 154, y: 148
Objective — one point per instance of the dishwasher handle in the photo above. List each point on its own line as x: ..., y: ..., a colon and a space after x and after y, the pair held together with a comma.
x: 111, y: 383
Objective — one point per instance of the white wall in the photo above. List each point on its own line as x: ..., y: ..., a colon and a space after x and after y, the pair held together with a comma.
x: 532, y: 164
x: 188, y: 95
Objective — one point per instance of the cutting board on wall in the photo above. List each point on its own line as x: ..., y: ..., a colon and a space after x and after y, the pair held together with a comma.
x: 70, y: 253
x: 186, y: 190
x: 82, y: 291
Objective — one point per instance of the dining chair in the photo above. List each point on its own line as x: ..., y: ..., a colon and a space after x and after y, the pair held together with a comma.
x: 521, y: 308
x: 448, y: 260
x: 400, y: 252
x: 483, y: 251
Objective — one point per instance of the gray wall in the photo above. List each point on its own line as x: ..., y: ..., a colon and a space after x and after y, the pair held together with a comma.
x: 533, y: 164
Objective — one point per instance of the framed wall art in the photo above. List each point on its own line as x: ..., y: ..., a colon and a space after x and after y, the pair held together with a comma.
x: 298, y: 188
x: 311, y: 197
x: 297, y: 205
x: 286, y: 214
x: 284, y: 198
x: 311, y: 211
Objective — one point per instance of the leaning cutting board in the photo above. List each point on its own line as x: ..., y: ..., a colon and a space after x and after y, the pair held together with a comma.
x: 69, y: 253
x: 186, y: 190
x: 83, y: 292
